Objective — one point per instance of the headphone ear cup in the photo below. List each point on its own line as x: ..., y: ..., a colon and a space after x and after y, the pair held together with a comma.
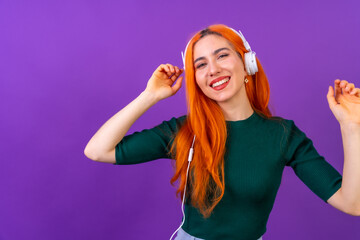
x: 250, y: 63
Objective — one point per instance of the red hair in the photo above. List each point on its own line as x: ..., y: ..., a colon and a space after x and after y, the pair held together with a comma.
x: 205, y: 119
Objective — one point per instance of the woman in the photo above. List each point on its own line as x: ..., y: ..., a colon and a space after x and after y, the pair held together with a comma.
x: 240, y: 150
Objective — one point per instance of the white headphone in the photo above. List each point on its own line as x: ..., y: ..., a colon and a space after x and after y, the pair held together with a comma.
x: 250, y: 59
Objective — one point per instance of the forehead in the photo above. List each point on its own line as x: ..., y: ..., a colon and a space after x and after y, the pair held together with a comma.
x: 206, y: 45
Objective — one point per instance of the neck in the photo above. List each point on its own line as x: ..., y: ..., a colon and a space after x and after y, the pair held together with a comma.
x: 238, y: 108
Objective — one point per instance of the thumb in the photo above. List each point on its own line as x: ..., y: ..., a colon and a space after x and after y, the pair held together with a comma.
x: 330, y: 97
x: 177, y: 85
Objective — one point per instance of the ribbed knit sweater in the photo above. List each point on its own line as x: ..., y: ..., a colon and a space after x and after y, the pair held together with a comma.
x: 257, y: 150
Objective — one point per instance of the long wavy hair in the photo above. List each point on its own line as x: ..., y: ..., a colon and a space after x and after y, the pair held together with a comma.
x: 205, y: 119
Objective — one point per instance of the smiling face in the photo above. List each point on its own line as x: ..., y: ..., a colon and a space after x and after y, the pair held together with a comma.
x: 216, y: 61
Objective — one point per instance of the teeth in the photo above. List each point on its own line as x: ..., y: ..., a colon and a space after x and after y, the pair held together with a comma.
x: 221, y: 82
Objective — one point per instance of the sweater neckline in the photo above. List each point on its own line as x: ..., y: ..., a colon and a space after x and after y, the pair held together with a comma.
x: 254, y: 116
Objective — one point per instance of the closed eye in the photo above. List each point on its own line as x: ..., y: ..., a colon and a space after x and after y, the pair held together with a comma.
x: 200, y: 65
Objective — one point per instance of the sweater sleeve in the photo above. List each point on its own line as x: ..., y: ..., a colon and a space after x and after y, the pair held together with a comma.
x: 312, y: 169
x: 148, y: 144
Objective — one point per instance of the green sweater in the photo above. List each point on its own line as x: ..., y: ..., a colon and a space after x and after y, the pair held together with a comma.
x: 257, y: 150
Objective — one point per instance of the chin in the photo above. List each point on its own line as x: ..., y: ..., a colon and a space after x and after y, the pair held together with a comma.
x: 220, y: 99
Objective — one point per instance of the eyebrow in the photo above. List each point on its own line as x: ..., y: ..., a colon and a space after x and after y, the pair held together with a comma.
x: 215, y: 52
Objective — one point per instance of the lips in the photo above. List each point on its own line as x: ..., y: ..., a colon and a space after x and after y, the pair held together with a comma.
x: 218, y: 79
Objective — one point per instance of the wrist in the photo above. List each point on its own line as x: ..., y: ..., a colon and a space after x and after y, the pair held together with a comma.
x: 149, y: 97
x: 350, y: 129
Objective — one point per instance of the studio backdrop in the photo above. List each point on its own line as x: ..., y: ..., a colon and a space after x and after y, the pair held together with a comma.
x: 67, y: 66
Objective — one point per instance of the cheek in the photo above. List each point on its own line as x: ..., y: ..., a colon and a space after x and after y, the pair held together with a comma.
x: 199, y: 80
x: 239, y: 67
x: 232, y: 64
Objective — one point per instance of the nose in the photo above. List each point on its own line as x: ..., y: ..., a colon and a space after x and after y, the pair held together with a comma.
x: 213, y: 68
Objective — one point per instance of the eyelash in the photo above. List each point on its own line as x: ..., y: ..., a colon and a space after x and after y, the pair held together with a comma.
x: 222, y: 55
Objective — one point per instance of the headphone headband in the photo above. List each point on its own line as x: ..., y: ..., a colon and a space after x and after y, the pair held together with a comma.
x: 250, y: 59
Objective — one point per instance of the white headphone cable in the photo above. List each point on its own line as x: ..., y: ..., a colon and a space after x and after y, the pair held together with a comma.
x: 191, y: 152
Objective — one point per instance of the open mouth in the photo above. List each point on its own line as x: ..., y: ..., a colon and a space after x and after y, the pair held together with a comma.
x: 221, y: 83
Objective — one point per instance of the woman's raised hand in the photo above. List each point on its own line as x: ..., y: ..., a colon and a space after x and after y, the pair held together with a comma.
x: 101, y: 146
x: 344, y: 102
x: 161, y: 83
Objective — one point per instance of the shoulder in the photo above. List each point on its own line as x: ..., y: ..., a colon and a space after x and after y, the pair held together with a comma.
x: 276, y: 122
x: 173, y: 124
x: 283, y: 126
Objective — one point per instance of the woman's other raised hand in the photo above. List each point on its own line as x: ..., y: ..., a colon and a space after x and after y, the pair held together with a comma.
x: 344, y: 102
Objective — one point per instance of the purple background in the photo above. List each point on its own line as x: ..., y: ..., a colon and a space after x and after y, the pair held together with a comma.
x: 68, y: 66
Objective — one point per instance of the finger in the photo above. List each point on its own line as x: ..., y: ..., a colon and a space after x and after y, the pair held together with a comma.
x: 173, y: 77
x: 330, y: 97
x: 355, y: 92
x: 177, y: 85
x: 171, y: 67
x: 172, y: 70
x: 177, y: 70
x: 180, y: 69
x: 167, y: 70
x: 343, y: 83
x: 163, y: 68
x: 349, y: 87
x: 337, y: 88
x: 177, y: 73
